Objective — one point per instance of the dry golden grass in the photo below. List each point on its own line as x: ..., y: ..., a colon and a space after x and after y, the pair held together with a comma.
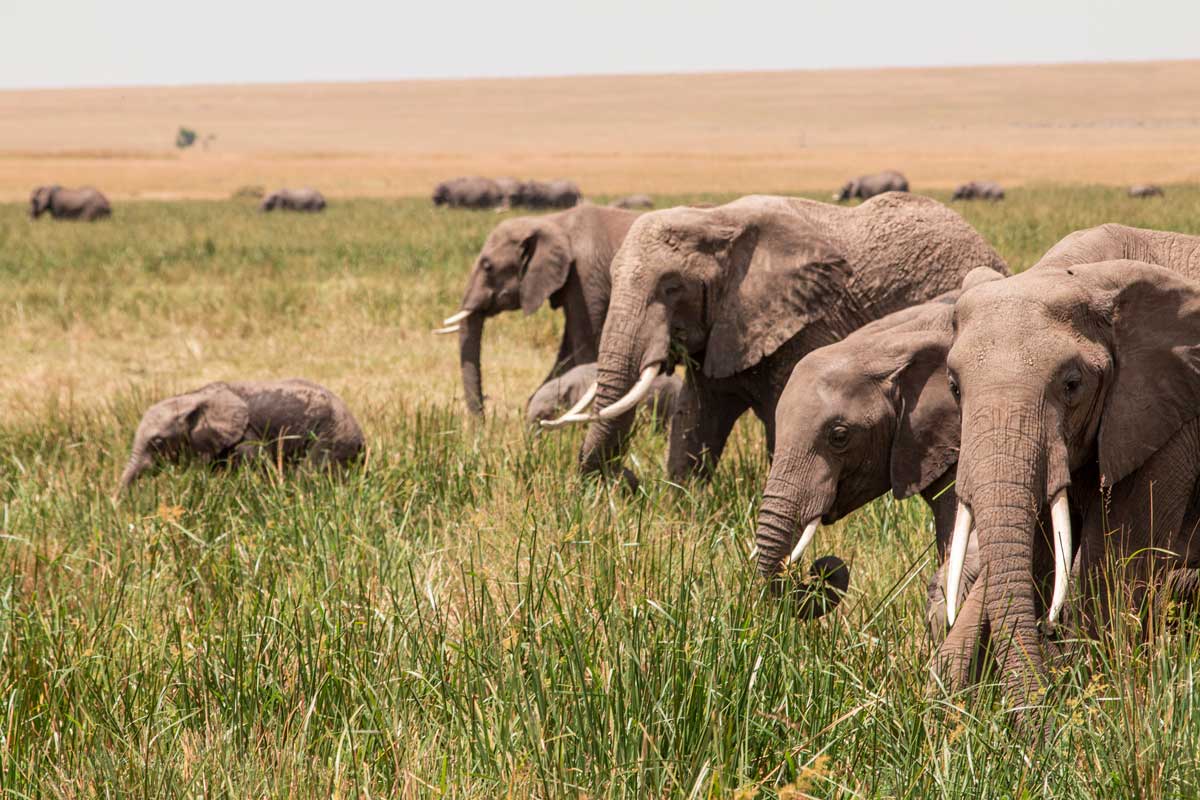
x: 1099, y: 123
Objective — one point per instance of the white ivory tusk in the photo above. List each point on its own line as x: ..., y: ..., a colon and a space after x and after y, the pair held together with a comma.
x: 445, y: 330
x: 1060, y: 517
x: 565, y: 419
x: 635, y: 395
x: 806, y: 538
x: 958, y: 557
x: 459, y: 317
x: 575, y: 413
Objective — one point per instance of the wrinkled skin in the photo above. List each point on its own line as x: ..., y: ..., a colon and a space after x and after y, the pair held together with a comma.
x: 867, y: 186
x: 1143, y: 190
x: 284, y: 421
x: 639, y: 201
x: 979, y: 190
x: 745, y: 291
x: 85, y: 204
x: 562, y: 258
x: 558, y: 394
x: 468, y: 192
x: 551, y: 194
x: 1102, y: 385
x: 1112, y: 242
x: 306, y: 199
x: 863, y: 416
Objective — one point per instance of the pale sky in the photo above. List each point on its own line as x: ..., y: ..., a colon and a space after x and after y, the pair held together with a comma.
x: 137, y: 42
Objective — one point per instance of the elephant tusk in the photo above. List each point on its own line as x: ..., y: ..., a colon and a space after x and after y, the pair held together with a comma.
x: 566, y: 419
x: 445, y: 330
x: 456, y: 318
x: 575, y: 410
x: 958, y: 557
x: 635, y: 395
x: 1060, y: 517
x: 806, y: 538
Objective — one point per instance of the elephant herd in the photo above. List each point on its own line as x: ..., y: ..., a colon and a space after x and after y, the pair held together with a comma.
x: 886, y: 347
x: 89, y: 204
x: 503, y: 193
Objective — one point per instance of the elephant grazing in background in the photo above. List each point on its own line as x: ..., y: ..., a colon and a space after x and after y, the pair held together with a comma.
x: 742, y: 292
x: 231, y: 422
x: 867, y: 186
x: 1144, y: 190
x: 551, y: 194
x: 640, y: 201
x: 979, y: 190
x: 294, y: 200
x: 573, y: 386
x: 563, y: 258
x: 468, y: 192
x: 87, y: 204
x: 858, y: 418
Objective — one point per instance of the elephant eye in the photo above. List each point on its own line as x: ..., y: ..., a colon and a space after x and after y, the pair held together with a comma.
x: 485, y: 265
x: 839, y: 437
x: 1071, y: 384
x: 954, y: 390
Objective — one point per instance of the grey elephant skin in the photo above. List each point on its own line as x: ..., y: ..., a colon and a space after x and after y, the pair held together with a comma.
x: 560, y: 258
x: 85, y: 204
x: 284, y: 420
x: 1144, y: 190
x: 638, y: 201
x: 979, y: 190
x: 1112, y: 242
x: 870, y: 414
x: 551, y: 194
x: 742, y: 292
x: 865, y: 187
x: 1101, y: 388
x: 558, y: 394
x: 469, y: 192
x: 309, y: 200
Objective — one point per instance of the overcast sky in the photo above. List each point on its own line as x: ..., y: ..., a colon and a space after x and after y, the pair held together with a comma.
x: 122, y: 42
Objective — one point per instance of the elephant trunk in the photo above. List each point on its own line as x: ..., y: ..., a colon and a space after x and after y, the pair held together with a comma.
x: 470, y: 342
x: 616, y: 373
x: 139, y: 462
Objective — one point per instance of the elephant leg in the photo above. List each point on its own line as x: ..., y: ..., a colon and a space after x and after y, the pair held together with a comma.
x: 700, y: 427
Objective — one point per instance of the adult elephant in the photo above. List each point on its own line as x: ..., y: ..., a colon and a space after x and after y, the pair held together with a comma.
x: 858, y: 418
x: 979, y: 190
x: 305, y: 199
x: 867, y: 186
x: 1092, y: 412
x: 741, y: 292
x: 86, y: 203
x: 468, y: 192
x: 551, y: 194
x: 562, y: 258
x: 1112, y: 242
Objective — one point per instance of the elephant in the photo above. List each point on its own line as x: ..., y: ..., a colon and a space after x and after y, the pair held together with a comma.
x: 867, y: 186
x: 1144, y: 190
x: 294, y: 200
x: 1113, y: 242
x: 562, y: 257
x: 572, y: 386
x: 284, y: 420
x: 641, y: 201
x: 551, y: 194
x: 86, y: 203
x: 979, y: 190
x: 1091, y: 412
x: 861, y: 416
x: 512, y: 192
x: 468, y: 192
x: 742, y: 292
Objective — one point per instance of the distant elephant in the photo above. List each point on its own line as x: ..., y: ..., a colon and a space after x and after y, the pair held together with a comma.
x: 469, y: 192
x: 979, y: 190
x: 551, y: 194
x: 861, y: 416
x: 512, y: 192
x: 867, y: 186
x: 1142, y: 190
x: 639, y: 201
x: 563, y: 258
x: 233, y: 422
x: 87, y: 204
x: 1093, y: 412
x: 294, y: 200
x: 743, y: 291
x: 563, y: 392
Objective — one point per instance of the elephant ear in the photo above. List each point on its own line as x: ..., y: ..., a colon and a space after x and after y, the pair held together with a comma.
x: 1155, y: 318
x: 547, y: 258
x: 218, y: 421
x: 926, y: 441
x: 779, y: 278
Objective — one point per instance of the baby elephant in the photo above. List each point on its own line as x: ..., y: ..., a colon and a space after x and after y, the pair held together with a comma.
x: 294, y: 200
x: 567, y: 389
x: 87, y: 203
x: 231, y: 422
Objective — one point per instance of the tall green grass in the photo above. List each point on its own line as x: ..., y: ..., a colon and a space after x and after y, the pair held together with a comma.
x: 463, y: 616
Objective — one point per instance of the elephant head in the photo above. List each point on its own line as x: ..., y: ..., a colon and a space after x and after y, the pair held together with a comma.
x: 848, y: 191
x: 270, y: 202
x: 40, y: 200
x: 1055, y: 369
x: 522, y: 264
x: 208, y: 421
x: 722, y: 288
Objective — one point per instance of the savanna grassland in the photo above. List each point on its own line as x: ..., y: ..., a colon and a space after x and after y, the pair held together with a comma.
x: 462, y: 616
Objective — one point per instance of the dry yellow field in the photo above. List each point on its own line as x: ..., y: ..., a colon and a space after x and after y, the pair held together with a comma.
x: 1096, y: 123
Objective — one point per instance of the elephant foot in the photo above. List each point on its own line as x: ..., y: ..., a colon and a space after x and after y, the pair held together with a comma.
x: 631, y: 482
x: 829, y: 578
